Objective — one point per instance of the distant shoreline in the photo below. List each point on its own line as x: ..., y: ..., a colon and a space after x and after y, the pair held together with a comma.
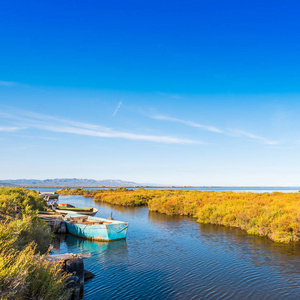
x: 157, y: 187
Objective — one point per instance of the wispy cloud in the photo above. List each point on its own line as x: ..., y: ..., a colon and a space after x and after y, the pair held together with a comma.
x: 117, y: 134
x: 241, y: 133
x: 189, y: 123
x: 228, y: 132
x: 10, y: 128
x: 118, y: 107
x: 54, y: 124
x: 15, y: 84
x: 38, y: 137
x: 7, y: 83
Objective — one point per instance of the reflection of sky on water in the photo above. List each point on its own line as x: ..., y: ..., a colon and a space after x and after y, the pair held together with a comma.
x: 101, y: 251
x: 177, y: 258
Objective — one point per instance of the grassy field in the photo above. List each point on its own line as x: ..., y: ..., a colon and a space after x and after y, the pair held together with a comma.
x: 275, y: 215
x: 24, y: 241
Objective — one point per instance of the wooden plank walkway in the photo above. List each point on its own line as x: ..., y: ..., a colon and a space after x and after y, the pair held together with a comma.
x: 67, y: 256
x: 55, y: 220
x: 51, y: 218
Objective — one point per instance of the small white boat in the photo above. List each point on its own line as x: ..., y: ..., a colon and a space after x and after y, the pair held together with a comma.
x: 63, y: 208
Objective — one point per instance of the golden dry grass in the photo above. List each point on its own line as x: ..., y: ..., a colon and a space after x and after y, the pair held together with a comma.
x: 275, y: 215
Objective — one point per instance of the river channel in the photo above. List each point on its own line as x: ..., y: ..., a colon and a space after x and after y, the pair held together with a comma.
x: 167, y: 257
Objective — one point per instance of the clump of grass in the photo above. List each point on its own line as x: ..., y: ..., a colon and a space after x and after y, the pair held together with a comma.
x: 24, y: 275
x: 118, y: 196
x: 69, y: 191
x: 28, y: 201
x: 24, y: 241
x: 123, y: 197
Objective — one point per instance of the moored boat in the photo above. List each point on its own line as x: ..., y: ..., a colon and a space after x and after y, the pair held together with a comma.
x: 67, y: 208
x: 49, y: 195
x: 94, y: 228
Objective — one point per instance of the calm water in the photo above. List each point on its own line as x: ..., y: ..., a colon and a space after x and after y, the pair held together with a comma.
x: 177, y: 258
x: 213, y: 188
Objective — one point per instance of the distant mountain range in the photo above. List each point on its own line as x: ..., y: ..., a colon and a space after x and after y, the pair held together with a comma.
x: 2, y: 184
x: 64, y: 182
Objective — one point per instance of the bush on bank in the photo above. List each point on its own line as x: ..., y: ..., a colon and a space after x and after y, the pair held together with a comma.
x: 24, y: 240
x: 275, y: 215
x: 119, y: 196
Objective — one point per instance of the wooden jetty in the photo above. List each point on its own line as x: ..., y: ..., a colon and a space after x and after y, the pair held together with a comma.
x: 50, y: 198
x: 49, y: 195
x: 67, y: 256
x: 55, y: 220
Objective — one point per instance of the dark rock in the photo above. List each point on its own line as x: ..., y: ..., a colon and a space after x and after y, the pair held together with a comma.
x: 74, y: 284
x: 75, y: 266
x: 88, y: 275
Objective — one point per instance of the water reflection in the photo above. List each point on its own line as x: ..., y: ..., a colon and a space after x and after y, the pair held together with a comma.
x: 158, y: 218
x: 66, y: 243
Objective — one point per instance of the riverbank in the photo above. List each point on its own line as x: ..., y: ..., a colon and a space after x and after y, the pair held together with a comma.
x: 25, y: 272
x: 274, y: 215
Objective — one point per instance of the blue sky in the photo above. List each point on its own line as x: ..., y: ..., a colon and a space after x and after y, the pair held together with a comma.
x: 167, y: 92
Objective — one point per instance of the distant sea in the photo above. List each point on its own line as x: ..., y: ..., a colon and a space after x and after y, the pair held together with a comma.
x: 239, y: 189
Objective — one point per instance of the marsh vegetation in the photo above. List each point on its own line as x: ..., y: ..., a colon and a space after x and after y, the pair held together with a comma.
x: 274, y: 215
x: 24, y: 245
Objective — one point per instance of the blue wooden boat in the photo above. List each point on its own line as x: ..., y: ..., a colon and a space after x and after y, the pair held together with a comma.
x: 94, y: 228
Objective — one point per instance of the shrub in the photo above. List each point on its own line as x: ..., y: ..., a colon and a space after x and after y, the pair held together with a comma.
x: 24, y: 272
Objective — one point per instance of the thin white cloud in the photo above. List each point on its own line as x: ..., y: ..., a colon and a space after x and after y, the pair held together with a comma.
x: 15, y: 84
x: 7, y: 83
x: 118, y: 107
x: 35, y: 117
x: 241, y: 133
x: 38, y: 137
x: 116, y: 134
x: 230, y: 132
x: 189, y: 123
x: 54, y: 124
x: 10, y: 128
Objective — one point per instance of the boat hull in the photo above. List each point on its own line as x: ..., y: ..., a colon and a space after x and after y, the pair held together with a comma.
x: 88, y: 213
x: 114, y: 231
